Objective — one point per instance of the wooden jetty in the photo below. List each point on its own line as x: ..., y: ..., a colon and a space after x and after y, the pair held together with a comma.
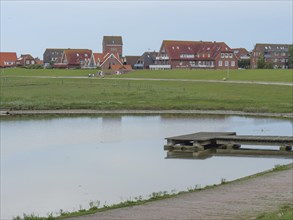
x: 202, y: 145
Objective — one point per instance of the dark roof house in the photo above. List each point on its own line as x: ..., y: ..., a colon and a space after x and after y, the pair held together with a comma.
x: 147, y: 59
x: 275, y: 55
x: 130, y: 60
x: 52, y: 55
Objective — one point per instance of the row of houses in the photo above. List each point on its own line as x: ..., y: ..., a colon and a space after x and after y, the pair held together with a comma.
x: 171, y: 55
x: 9, y: 59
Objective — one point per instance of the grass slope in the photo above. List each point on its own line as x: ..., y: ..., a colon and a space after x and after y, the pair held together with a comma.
x: 277, y: 75
x: 93, y: 93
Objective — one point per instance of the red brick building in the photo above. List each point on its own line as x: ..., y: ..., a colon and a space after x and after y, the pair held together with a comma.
x: 274, y: 55
x: 195, y: 55
x: 25, y: 60
x: 7, y: 59
x: 109, y: 60
x: 75, y: 58
x: 113, y: 45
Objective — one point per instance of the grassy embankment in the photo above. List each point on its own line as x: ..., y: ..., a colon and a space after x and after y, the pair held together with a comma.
x: 106, y: 94
x: 285, y: 212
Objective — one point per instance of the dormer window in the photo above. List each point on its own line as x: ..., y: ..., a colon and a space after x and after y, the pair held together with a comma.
x: 77, y: 54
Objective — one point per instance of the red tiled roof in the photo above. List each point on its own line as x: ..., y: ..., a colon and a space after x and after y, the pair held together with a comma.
x: 201, y: 48
x: 98, y: 57
x: 117, y: 67
x: 75, y: 56
x: 7, y: 57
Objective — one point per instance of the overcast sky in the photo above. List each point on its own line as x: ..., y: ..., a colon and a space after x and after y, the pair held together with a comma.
x: 33, y: 26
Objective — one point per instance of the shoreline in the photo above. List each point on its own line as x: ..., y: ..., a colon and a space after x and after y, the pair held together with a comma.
x: 8, y: 112
x: 253, y: 187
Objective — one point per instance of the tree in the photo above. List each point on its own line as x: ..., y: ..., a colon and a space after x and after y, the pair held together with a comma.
x: 290, y: 59
x: 245, y: 64
x: 261, y: 63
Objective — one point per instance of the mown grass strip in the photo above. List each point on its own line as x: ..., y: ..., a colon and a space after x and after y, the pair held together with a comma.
x: 103, y: 94
x: 265, y: 75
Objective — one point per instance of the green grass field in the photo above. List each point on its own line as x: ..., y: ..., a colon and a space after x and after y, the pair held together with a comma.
x: 95, y: 93
x: 239, y: 75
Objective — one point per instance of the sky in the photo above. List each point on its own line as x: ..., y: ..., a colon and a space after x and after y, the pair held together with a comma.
x: 32, y: 26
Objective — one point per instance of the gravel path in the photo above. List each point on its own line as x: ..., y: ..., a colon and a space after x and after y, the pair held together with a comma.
x: 92, y: 111
x: 243, y: 199
x: 158, y: 79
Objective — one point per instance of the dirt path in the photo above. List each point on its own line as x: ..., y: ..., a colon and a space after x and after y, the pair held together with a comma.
x: 159, y: 79
x: 145, y: 112
x: 243, y: 199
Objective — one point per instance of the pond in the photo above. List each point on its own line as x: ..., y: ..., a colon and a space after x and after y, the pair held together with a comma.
x: 48, y: 164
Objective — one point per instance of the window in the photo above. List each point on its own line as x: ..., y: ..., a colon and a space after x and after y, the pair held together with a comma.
x: 226, y: 55
x: 222, y: 55
x: 209, y: 55
x: 230, y: 55
x: 177, y: 48
x: 85, y: 55
x: 77, y: 54
x: 226, y: 63
x: 27, y: 62
x: 186, y: 55
x: 220, y: 63
x: 232, y: 63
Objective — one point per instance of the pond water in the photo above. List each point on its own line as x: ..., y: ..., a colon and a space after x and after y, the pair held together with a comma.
x: 48, y: 164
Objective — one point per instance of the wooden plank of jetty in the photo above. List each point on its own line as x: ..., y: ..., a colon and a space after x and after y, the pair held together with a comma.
x: 204, y: 144
x: 256, y: 140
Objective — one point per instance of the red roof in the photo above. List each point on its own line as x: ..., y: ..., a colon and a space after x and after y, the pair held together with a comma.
x: 205, y: 50
x: 98, y: 57
x: 7, y: 58
x: 117, y: 67
x: 77, y: 56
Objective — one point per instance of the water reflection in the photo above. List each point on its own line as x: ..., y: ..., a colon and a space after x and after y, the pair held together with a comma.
x: 48, y: 163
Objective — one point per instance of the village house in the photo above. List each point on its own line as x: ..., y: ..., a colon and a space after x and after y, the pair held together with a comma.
x: 243, y: 57
x: 25, y: 60
x: 76, y: 58
x: 147, y: 59
x: 274, y: 55
x: 111, y: 58
x: 130, y: 60
x: 195, y: 55
x: 7, y: 59
x: 52, y: 55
